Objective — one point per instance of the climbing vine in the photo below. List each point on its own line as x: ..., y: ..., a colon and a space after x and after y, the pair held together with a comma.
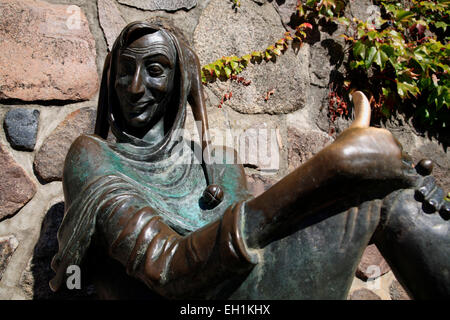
x: 226, y: 67
x: 402, y: 60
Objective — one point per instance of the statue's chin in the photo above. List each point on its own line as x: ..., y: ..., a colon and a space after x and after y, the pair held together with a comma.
x: 139, y: 121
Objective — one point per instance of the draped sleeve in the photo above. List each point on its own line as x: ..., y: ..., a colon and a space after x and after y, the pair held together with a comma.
x: 172, y: 264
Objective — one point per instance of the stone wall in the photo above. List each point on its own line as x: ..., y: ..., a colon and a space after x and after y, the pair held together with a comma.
x: 51, y: 57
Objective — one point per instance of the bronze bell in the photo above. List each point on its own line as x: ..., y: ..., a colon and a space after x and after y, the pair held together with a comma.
x: 424, y: 167
x: 212, y: 196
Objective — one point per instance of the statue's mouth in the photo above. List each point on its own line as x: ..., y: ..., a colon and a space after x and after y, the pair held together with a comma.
x: 138, y: 108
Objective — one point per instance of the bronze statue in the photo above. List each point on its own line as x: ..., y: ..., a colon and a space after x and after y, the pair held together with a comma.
x: 147, y: 222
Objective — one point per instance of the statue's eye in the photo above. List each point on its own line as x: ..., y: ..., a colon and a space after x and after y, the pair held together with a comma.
x: 155, y: 69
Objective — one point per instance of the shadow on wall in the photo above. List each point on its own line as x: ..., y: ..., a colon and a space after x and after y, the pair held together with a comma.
x: 39, y: 273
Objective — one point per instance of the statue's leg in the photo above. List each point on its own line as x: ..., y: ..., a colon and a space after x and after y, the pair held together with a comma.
x: 317, y: 259
x: 415, y: 240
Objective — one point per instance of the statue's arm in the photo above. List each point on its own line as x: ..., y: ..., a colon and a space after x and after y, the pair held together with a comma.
x: 174, y: 266
x: 362, y: 164
x: 414, y: 237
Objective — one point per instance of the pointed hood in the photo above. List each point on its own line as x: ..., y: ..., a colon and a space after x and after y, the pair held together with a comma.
x: 108, y: 115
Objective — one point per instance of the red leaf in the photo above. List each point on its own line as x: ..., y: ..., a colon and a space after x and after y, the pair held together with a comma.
x: 307, y: 25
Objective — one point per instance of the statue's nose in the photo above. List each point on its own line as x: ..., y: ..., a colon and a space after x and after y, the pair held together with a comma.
x: 137, y: 88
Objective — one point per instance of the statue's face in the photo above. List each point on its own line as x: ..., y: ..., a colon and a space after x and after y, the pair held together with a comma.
x: 145, y: 77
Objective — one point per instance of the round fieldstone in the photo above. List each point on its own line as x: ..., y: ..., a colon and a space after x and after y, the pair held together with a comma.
x: 364, y: 294
x: 21, y: 126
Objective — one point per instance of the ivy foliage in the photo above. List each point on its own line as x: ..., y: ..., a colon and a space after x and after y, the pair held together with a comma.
x: 328, y: 9
x: 402, y: 60
x: 407, y: 59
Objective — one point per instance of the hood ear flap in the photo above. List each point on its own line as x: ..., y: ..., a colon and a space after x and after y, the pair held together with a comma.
x: 198, y: 105
x: 213, y: 194
x: 102, y: 123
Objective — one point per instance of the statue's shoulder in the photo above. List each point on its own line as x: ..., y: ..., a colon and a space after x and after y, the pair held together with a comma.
x: 84, y: 160
x: 85, y: 149
x: 87, y: 141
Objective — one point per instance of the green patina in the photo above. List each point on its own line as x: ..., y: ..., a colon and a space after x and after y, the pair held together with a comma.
x: 169, y: 187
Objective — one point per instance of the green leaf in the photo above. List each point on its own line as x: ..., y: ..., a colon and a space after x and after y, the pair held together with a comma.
x: 405, y: 89
x: 403, y: 15
x: 218, y: 64
x: 276, y: 51
x: 217, y: 71
x: 247, y: 58
x: 439, y: 102
x: 359, y: 49
x: 370, y: 57
x: 228, y: 72
x: 388, y: 50
x: 377, y: 59
x: 256, y: 54
x: 361, y: 31
x: 441, y: 25
x: 329, y: 12
x: 372, y: 34
x: 234, y: 65
x: 383, y: 58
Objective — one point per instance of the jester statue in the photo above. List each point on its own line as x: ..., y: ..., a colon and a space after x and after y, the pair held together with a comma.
x: 147, y: 219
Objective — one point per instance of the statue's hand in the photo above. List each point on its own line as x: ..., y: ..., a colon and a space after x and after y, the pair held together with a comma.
x: 366, y: 153
x: 429, y: 192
